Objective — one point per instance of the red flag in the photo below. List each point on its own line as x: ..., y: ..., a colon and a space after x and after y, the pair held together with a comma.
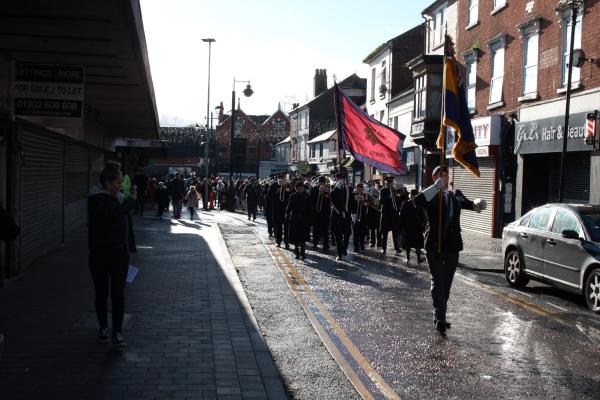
x: 369, y: 141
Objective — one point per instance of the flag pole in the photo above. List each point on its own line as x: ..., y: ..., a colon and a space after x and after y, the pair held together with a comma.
x: 443, y: 149
x: 337, y: 106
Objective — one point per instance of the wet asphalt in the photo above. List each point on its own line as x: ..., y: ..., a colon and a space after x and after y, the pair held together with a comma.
x: 538, y: 342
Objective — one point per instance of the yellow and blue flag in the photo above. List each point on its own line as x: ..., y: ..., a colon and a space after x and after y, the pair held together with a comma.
x: 455, y: 114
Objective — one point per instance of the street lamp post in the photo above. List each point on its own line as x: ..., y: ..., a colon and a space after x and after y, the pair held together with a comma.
x: 574, y: 5
x: 247, y: 92
x: 210, y: 41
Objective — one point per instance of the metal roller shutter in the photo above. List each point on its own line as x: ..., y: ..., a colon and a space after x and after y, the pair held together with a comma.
x: 42, y: 194
x: 76, y: 185
x: 577, y: 178
x: 482, y: 188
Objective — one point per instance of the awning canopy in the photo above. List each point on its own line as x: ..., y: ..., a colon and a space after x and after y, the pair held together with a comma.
x: 107, y: 39
x: 323, y: 137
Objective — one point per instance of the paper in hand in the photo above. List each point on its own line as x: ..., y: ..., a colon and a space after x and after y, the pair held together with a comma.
x: 131, y: 273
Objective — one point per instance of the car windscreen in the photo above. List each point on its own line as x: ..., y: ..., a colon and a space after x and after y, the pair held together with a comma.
x: 591, y: 220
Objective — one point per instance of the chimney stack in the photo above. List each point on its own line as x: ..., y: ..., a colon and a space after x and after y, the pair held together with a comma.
x: 320, y: 81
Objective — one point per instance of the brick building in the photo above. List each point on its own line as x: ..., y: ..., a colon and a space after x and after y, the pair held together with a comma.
x: 254, y: 138
x: 516, y: 55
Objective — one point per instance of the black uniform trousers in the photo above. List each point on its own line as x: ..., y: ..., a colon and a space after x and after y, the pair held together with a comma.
x: 321, y: 230
x: 441, y: 268
x: 395, y: 238
x: 341, y: 234
x: 359, y: 232
x: 375, y: 237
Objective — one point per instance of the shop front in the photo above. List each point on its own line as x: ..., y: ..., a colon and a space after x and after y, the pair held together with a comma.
x: 487, y: 132
x: 538, y: 143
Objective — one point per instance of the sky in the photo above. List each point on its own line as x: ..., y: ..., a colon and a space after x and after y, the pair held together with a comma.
x: 277, y: 45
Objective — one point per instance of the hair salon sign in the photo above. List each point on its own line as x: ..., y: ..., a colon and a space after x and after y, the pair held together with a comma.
x: 546, y: 135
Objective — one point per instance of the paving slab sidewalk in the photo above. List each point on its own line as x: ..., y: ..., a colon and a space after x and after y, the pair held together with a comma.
x: 189, y: 327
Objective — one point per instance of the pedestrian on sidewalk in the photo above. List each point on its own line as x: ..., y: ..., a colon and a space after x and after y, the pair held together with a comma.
x: 192, y: 199
x: 162, y: 199
x: 177, y: 191
x: 412, y: 224
x: 297, y: 215
x: 442, y: 256
x: 109, y: 245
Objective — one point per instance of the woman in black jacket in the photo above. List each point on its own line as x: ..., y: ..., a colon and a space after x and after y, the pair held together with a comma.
x: 108, y: 240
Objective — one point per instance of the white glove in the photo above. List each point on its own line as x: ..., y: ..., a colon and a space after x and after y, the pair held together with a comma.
x: 479, y: 205
x: 353, y: 216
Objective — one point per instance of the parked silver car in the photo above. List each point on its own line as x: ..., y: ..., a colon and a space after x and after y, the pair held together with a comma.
x: 557, y: 244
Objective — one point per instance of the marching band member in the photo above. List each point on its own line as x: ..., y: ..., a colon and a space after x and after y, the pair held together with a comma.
x: 358, y: 210
x: 340, y: 214
x: 297, y: 216
x: 390, y: 207
x: 320, y: 204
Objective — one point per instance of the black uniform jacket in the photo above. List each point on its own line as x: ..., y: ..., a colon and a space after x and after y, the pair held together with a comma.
x: 451, y: 237
x: 340, y: 205
x: 360, y: 208
x: 296, y: 214
x: 389, y: 214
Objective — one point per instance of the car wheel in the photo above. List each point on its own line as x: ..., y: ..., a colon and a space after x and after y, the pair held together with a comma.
x: 513, y: 269
x: 592, y: 290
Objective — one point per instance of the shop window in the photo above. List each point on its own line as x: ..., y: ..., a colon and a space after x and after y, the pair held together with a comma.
x: 320, y: 149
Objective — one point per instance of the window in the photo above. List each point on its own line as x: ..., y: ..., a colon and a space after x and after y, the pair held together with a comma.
x: 498, y: 4
x: 473, y: 12
x: 439, y: 27
x: 566, y: 220
x: 530, y: 60
x: 591, y: 219
x: 373, y: 84
x: 382, y: 91
x: 540, y: 219
x: 566, y: 43
x: 420, y: 97
x: 312, y: 151
x: 381, y: 115
x: 471, y: 68
x: 497, y: 75
x: 320, y: 149
x: 395, y: 123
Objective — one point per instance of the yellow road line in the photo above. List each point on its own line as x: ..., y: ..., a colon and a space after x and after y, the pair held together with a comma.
x: 299, y: 287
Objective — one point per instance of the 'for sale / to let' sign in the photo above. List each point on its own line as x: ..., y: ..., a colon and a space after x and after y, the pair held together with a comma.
x: 45, y: 90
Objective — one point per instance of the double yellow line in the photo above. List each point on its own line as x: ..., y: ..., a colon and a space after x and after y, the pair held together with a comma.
x: 301, y: 289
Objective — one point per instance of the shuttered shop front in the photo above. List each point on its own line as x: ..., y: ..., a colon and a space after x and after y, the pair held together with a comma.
x: 42, y: 193
x: 76, y: 185
x: 473, y: 188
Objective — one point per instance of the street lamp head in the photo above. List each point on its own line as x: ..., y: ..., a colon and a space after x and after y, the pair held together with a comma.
x: 248, y: 91
x: 209, y: 40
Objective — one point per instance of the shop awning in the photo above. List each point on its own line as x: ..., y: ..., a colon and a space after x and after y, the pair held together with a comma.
x: 323, y: 137
x: 106, y: 38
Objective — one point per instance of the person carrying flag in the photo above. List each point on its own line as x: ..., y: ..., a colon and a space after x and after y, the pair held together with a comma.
x: 443, y: 240
x: 442, y: 257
